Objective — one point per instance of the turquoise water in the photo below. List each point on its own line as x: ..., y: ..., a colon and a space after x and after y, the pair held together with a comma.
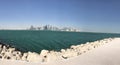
x: 35, y: 41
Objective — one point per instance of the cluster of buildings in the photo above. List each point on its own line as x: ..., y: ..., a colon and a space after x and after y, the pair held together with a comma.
x: 53, y: 28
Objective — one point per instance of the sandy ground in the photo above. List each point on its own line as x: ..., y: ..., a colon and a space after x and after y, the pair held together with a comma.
x: 108, y: 54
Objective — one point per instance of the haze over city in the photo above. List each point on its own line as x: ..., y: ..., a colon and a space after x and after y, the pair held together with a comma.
x: 87, y: 15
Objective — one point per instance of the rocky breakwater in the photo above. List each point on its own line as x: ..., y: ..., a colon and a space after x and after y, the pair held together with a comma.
x: 7, y: 52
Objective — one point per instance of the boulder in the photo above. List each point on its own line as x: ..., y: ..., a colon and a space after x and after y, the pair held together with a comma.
x: 44, y: 52
x: 33, y: 57
x: 24, y: 57
x: 11, y: 50
x: 54, y: 56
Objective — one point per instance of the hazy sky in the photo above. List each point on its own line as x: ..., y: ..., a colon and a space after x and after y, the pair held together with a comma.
x: 88, y: 15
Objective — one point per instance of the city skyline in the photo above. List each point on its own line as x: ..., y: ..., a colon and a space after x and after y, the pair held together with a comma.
x: 54, y: 28
x: 87, y: 15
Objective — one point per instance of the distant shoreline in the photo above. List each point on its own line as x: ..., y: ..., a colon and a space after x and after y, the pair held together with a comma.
x: 54, y: 31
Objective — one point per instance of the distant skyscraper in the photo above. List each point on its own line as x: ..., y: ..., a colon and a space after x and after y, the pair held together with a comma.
x: 32, y: 28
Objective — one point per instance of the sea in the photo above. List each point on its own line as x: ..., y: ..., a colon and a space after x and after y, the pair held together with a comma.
x: 37, y: 40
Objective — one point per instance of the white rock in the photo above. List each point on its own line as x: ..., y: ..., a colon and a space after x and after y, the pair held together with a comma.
x: 44, y: 52
x: 34, y: 57
x: 54, y: 56
x: 24, y: 57
x: 11, y: 49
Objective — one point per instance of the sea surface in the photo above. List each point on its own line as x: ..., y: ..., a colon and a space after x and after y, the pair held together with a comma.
x: 35, y: 41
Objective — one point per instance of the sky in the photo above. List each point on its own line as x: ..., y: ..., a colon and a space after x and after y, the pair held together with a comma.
x: 87, y: 15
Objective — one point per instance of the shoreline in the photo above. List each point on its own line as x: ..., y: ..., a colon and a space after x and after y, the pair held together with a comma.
x: 49, y: 56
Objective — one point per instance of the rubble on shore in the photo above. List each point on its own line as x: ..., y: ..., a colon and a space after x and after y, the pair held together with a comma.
x: 7, y: 52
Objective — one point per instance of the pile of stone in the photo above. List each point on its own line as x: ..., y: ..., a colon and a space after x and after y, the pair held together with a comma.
x: 10, y: 53
x: 74, y: 50
x: 7, y: 52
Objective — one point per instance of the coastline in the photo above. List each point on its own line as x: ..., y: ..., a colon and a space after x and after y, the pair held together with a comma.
x: 51, y: 56
x: 107, y: 54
